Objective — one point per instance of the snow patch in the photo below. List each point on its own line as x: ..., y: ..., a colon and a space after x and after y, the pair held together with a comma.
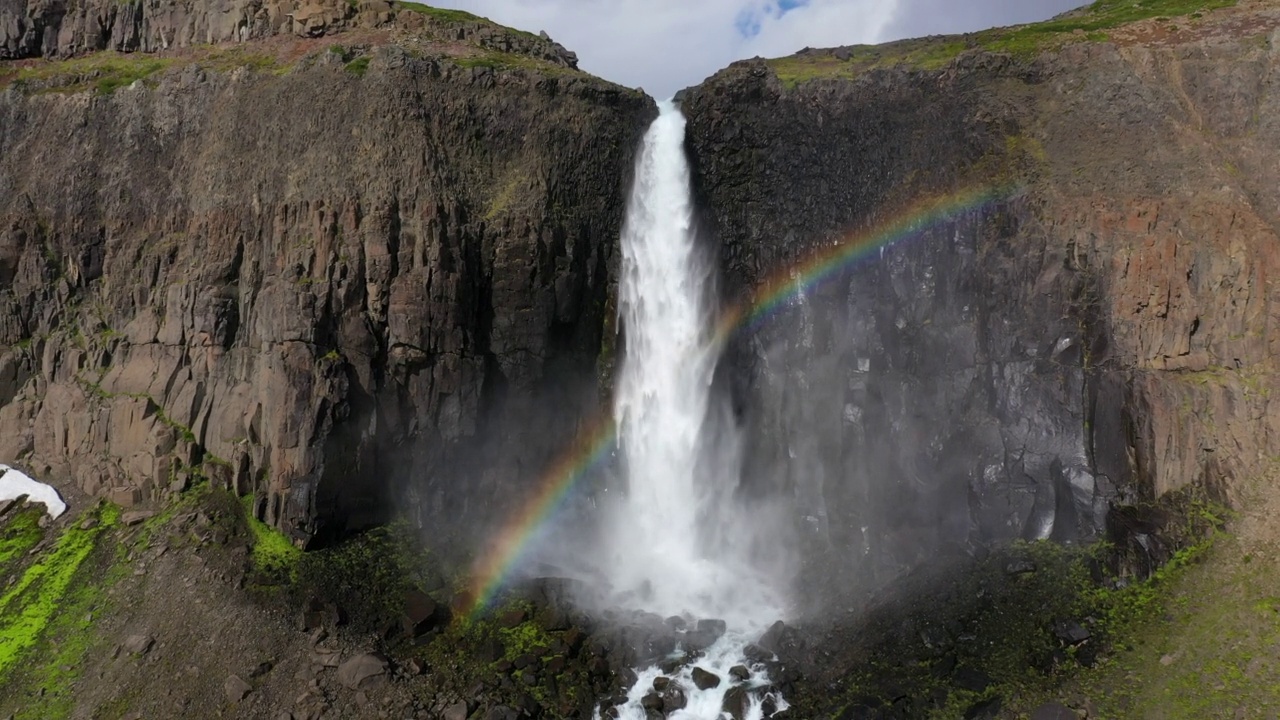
x: 15, y: 483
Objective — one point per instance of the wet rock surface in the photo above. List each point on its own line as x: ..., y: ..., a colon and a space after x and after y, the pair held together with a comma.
x: 314, y: 313
x: 1061, y: 345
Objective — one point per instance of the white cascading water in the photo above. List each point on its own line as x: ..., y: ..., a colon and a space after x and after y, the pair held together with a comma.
x: 678, y: 543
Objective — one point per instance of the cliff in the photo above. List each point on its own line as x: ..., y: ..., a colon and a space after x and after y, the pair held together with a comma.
x: 341, y: 247
x: 1096, y: 331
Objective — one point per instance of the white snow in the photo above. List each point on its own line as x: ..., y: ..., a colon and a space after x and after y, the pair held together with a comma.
x: 15, y: 483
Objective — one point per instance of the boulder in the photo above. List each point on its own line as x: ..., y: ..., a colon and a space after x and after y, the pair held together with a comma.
x: 705, y: 680
x: 783, y: 641
x: 736, y: 702
x: 236, y: 689
x: 652, y: 701
x: 362, y: 670
x: 139, y: 644
x: 740, y: 673
x: 135, y: 517
x: 456, y: 711
x: 673, y: 699
x: 421, y: 614
x: 712, y: 628
x: 317, y: 613
x: 1070, y: 632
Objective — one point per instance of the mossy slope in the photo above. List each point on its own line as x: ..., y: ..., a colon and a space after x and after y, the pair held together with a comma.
x: 1089, y: 24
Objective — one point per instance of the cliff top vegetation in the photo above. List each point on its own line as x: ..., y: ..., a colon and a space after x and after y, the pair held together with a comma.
x: 1093, y: 23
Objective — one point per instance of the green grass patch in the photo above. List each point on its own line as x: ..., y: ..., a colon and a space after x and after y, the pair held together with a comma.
x: 1197, y: 642
x: 103, y: 72
x: 27, y: 608
x: 274, y: 556
x: 442, y: 14
x: 19, y: 534
x: 510, y: 61
x: 1089, y: 24
x: 449, y: 16
x: 359, y: 66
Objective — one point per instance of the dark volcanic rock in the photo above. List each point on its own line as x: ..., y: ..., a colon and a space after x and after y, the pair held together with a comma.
x: 1011, y: 369
x: 44, y: 28
x: 705, y: 680
x: 673, y: 698
x: 421, y: 614
x: 1070, y: 632
x: 371, y: 305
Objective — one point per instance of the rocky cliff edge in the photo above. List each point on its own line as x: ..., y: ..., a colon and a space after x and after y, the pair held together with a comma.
x: 342, y: 257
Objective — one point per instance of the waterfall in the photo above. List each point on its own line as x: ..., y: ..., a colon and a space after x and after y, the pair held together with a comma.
x: 678, y: 542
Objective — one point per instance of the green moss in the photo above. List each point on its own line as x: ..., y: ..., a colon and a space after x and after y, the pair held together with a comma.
x: 359, y: 66
x: 442, y: 14
x: 511, y: 61
x: 19, y: 535
x: 274, y: 556
x: 27, y: 608
x: 106, y: 72
x: 527, y: 637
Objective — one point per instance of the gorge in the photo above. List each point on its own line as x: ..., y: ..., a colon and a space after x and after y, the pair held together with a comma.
x: 353, y: 263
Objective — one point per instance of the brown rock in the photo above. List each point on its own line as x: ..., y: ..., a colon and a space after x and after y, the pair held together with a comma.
x: 236, y: 689
x: 137, y: 517
x: 362, y: 670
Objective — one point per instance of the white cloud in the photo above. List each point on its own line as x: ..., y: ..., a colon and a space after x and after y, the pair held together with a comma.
x: 666, y: 45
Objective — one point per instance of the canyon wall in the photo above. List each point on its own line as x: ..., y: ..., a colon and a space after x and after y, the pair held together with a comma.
x: 1097, y: 331
x: 336, y: 272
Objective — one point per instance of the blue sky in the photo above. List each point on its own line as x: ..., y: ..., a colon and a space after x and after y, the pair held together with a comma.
x: 666, y: 45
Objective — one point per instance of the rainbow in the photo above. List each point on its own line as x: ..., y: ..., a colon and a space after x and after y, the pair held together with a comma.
x: 772, y: 295
x: 590, y: 448
x: 593, y: 444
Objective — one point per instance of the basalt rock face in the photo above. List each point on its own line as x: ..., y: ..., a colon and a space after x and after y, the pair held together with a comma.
x: 54, y: 28
x: 336, y: 283
x: 1089, y: 324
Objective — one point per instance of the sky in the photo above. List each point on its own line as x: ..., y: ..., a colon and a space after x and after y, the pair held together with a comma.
x: 665, y: 45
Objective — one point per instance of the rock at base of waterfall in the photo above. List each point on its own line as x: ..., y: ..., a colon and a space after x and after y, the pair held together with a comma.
x: 740, y: 673
x: 705, y: 680
x: 782, y: 640
x: 652, y: 701
x: 673, y: 699
x: 756, y: 654
x: 661, y: 682
x: 421, y: 615
x: 712, y: 628
x: 736, y: 702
